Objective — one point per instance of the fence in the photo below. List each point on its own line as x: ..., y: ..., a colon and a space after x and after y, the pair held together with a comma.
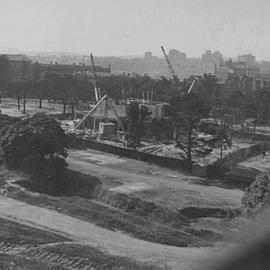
x: 173, y: 163
x: 65, y: 116
x: 253, y: 136
x: 223, y: 165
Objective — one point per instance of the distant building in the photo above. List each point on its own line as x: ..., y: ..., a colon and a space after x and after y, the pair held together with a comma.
x: 148, y: 56
x: 19, y: 65
x: 260, y: 81
x: 222, y: 74
x: 210, y: 61
x: 177, y: 56
x: 247, y: 58
x: 244, y: 83
x: 215, y: 57
x: 75, y: 69
x: 265, y: 67
x: 16, y: 58
x: 235, y: 82
x: 244, y: 74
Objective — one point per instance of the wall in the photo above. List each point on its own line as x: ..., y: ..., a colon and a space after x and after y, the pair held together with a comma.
x: 221, y: 166
x: 173, y: 163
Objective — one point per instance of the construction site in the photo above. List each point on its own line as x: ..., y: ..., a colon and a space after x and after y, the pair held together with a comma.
x: 134, y: 135
x: 126, y: 207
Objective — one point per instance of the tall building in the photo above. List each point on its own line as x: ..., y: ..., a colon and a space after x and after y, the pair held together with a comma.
x: 177, y: 56
x: 265, y: 67
x: 212, y: 57
x: 247, y: 58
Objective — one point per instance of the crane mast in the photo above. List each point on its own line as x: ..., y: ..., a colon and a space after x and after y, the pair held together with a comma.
x: 174, y: 76
x: 97, y: 90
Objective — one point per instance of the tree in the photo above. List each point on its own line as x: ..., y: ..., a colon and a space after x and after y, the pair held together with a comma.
x: 256, y: 106
x: 136, y: 116
x: 189, y: 109
x: 161, y: 129
x: 37, y: 144
x: 224, y: 138
x: 40, y: 87
x: 20, y: 89
x: 77, y: 89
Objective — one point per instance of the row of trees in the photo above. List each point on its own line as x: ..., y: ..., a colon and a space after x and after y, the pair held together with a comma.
x: 68, y: 90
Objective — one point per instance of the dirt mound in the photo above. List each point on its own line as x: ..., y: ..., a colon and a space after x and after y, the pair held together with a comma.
x: 140, y: 207
x: 154, y: 213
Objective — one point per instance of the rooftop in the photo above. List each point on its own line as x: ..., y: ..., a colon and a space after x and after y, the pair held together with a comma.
x: 16, y: 57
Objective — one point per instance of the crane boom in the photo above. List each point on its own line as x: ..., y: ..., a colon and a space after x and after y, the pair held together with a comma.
x: 191, y: 86
x: 168, y: 62
x: 97, y: 91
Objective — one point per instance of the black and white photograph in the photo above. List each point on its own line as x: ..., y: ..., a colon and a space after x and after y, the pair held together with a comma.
x: 134, y: 135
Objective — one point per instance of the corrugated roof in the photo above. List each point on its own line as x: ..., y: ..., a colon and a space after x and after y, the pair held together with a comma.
x: 16, y: 57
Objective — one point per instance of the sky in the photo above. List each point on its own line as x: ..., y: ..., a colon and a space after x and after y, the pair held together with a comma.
x: 131, y: 27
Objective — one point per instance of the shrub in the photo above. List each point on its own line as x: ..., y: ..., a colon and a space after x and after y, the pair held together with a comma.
x: 37, y: 144
x: 257, y: 196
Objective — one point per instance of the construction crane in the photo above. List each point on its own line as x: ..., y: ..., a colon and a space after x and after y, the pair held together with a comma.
x: 174, y: 76
x: 96, y: 86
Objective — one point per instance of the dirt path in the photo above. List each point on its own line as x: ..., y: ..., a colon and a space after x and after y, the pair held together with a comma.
x: 172, y: 192
x: 113, y: 242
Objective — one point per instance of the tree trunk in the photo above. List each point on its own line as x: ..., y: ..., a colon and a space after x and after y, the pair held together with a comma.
x: 19, y: 103
x: 72, y: 110
x: 255, y: 124
x: 64, y: 108
x: 189, y: 147
x: 24, y: 105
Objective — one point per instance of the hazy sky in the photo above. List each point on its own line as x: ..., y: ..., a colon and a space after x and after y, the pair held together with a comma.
x: 131, y: 27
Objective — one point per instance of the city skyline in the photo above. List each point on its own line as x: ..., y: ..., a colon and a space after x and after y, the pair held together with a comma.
x: 129, y: 28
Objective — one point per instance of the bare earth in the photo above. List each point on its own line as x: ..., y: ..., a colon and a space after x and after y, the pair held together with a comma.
x: 113, y: 242
x: 163, y: 186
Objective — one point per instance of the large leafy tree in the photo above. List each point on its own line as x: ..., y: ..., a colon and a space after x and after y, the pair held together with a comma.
x: 37, y: 144
x: 189, y: 109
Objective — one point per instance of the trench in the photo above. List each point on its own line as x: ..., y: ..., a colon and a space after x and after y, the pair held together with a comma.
x: 196, y: 212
